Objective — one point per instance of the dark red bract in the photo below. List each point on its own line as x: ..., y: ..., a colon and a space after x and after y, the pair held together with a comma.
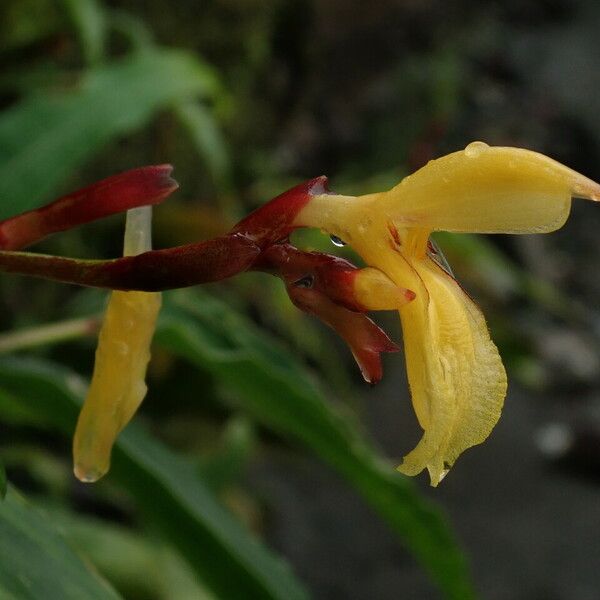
x: 318, y: 284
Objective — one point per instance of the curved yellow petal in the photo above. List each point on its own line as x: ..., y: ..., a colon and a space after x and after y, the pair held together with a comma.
x: 118, y: 383
x: 488, y: 190
x: 457, y: 379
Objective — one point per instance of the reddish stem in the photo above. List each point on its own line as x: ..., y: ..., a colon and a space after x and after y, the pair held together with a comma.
x: 182, y: 266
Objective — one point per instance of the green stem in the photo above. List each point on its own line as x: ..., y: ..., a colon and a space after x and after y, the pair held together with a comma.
x: 48, y: 334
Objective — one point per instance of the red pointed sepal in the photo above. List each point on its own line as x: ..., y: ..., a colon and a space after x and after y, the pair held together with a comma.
x: 273, y: 222
x: 366, y: 340
x: 137, y: 187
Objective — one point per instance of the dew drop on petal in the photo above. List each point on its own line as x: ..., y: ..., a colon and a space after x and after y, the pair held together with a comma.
x: 336, y: 241
x: 87, y: 475
x: 474, y: 149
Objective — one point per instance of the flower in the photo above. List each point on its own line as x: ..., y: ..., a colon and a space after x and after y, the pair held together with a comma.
x: 118, y: 382
x: 123, y: 352
x: 456, y: 376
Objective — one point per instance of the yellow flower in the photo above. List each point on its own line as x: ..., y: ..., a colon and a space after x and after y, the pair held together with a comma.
x: 456, y: 376
x: 118, y: 383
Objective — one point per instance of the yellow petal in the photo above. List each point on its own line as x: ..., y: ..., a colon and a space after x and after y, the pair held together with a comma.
x: 118, y: 383
x: 489, y: 190
x: 457, y: 379
x: 480, y: 189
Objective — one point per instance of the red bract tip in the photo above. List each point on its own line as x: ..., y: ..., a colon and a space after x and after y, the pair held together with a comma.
x: 365, y: 338
x: 137, y: 187
x: 273, y: 221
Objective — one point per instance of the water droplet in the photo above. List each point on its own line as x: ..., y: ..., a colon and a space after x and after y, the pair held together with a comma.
x: 336, y: 241
x: 474, y: 149
x: 87, y: 475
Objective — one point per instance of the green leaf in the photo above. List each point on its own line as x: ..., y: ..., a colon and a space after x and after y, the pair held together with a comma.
x: 35, y: 561
x: 50, y: 134
x: 207, y: 139
x: 277, y: 391
x: 139, y: 566
x: 3, y: 482
x: 166, y: 486
x: 226, y: 464
x: 89, y: 20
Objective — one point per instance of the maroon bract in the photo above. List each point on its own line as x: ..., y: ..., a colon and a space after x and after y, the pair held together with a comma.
x: 365, y: 339
x: 330, y: 275
x: 137, y: 187
x: 319, y: 284
x: 273, y: 222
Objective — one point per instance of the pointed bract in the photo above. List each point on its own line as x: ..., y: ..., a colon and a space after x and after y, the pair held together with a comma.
x: 137, y: 187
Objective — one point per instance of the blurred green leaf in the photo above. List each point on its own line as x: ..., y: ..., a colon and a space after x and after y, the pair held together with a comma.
x: 89, y: 21
x: 236, y: 446
x: 167, y: 488
x: 3, y: 482
x: 50, y: 134
x: 207, y: 139
x: 138, y: 566
x: 35, y: 561
x: 495, y: 271
x: 275, y: 388
x: 26, y: 22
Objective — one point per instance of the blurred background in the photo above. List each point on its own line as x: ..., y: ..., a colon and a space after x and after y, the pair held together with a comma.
x: 260, y: 465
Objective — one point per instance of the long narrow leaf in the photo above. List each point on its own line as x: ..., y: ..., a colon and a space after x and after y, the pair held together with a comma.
x: 224, y: 556
x: 36, y: 562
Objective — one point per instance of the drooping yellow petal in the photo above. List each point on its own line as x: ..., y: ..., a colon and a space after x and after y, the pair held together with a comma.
x: 118, y: 383
x: 487, y: 190
x: 457, y: 379
x: 456, y: 376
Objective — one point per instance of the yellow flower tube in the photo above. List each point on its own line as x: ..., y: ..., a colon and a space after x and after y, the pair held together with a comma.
x: 118, y: 382
x: 456, y: 376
